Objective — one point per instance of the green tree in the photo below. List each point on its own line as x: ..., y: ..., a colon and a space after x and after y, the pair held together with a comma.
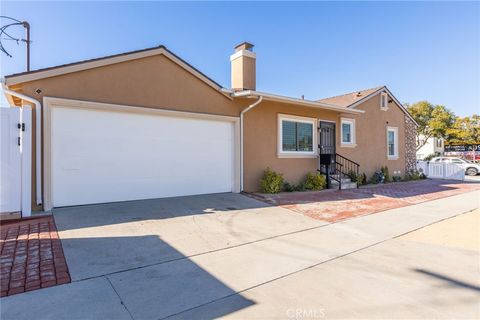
x: 433, y: 121
x: 465, y: 130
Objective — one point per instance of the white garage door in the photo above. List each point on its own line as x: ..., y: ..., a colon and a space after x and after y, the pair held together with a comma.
x: 105, y: 156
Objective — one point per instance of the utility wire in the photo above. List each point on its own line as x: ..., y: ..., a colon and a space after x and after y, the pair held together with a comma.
x: 3, y: 32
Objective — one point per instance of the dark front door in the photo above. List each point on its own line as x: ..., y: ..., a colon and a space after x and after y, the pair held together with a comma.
x: 327, y: 144
x: 327, y: 137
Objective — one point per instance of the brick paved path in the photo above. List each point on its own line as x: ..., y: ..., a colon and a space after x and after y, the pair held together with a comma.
x: 31, y: 256
x: 334, y: 205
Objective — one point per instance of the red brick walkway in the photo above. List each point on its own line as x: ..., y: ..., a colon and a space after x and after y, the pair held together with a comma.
x: 337, y: 205
x: 31, y: 256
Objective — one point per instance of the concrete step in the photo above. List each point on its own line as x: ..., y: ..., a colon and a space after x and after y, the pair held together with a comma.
x: 345, y: 184
x: 344, y: 179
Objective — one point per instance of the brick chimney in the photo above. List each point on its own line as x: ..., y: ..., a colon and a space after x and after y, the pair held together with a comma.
x: 243, y: 67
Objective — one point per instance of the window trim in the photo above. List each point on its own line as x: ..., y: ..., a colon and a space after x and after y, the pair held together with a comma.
x: 351, y: 122
x: 296, y: 154
x: 395, y: 141
x: 383, y: 96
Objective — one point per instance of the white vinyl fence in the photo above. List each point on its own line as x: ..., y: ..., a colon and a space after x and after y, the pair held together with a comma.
x: 15, y: 160
x: 442, y: 170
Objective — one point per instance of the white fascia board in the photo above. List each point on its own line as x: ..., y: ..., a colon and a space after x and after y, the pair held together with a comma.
x: 307, y: 103
x: 373, y: 94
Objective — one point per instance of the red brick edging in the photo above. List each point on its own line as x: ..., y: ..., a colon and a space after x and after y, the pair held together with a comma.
x: 31, y: 256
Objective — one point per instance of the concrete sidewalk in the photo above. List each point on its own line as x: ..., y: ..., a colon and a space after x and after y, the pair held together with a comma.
x: 221, y: 283
x: 431, y: 273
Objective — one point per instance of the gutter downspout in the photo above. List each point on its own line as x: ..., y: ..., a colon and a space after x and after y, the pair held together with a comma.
x: 250, y: 107
x: 38, y: 136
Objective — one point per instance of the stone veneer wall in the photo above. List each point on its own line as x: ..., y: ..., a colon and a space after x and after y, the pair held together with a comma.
x: 410, y: 144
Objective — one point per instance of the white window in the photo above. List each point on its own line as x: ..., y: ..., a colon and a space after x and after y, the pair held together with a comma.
x: 392, y: 143
x: 347, y: 133
x: 384, y: 101
x: 296, y: 136
x: 439, y: 143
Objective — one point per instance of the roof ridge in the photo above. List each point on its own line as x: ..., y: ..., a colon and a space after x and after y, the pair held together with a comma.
x: 346, y: 94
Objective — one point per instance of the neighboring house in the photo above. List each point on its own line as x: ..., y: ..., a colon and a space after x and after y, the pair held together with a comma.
x: 146, y: 124
x: 433, y: 145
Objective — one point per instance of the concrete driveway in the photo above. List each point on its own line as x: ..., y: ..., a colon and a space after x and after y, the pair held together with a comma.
x: 230, y: 256
x: 105, y: 239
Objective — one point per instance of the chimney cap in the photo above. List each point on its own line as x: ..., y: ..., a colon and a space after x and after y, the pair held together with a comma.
x: 244, y: 46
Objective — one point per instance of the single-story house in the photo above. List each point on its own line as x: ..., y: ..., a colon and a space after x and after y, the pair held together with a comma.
x: 147, y: 124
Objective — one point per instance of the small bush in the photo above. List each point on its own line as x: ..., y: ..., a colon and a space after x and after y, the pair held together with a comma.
x: 386, y: 174
x: 353, y: 176
x: 363, y: 179
x: 314, y: 182
x: 378, y: 177
x: 287, y: 187
x: 414, y: 174
x: 396, y: 178
x: 271, y: 181
x: 300, y: 186
x: 360, y: 179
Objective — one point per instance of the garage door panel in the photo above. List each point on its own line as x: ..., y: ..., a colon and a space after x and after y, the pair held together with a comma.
x: 100, y: 156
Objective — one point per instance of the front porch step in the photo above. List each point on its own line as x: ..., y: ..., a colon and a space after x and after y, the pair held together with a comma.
x: 344, y: 180
x: 346, y: 184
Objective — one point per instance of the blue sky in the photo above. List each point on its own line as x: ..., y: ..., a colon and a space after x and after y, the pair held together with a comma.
x: 420, y: 50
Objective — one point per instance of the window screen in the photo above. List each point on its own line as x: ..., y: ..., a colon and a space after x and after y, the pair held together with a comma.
x: 297, y: 136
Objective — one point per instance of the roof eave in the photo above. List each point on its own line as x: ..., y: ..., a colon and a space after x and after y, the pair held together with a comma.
x: 302, y: 102
x: 384, y: 88
x: 109, y: 60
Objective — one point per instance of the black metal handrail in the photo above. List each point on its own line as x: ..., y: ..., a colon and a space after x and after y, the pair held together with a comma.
x: 347, y: 168
x: 330, y: 177
x: 337, y: 167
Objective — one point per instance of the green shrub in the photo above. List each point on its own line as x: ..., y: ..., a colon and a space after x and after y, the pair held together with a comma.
x: 414, y: 174
x: 314, y: 182
x: 386, y: 174
x: 360, y: 179
x: 363, y: 179
x: 396, y: 178
x: 378, y: 177
x: 287, y: 187
x: 354, y: 177
x: 271, y: 181
x: 300, y: 186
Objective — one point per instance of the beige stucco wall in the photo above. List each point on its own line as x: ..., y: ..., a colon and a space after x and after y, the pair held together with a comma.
x: 260, y: 143
x: 154, y: 82
x: 261, y: 140
x: 243, y: 73
x: 371, y: 137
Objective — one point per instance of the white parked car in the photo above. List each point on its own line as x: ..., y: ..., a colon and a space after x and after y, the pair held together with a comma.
x: 472, y: 169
